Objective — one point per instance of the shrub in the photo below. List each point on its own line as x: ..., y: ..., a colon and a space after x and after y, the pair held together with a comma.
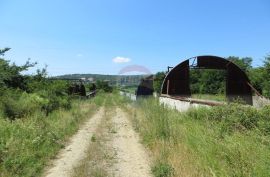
x: 53, y: 101
x: 264, y: 122
x: 162, y: 170
x: 235, y: 117
x: 18, y: 106
x: 103, y: 85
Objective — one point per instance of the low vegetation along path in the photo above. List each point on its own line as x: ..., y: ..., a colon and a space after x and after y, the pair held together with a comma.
x: 105, y: 145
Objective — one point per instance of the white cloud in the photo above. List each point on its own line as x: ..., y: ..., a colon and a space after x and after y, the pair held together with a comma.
x: 79, y: 55
x: 121, y: 60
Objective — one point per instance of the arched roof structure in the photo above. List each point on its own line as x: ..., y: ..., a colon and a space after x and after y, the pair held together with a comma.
x: 176, y: 82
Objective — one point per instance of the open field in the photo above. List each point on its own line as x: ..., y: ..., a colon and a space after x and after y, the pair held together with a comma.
x: 231, y: 140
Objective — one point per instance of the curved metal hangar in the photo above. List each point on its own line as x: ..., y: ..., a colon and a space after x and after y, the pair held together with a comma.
x: 176, y: 82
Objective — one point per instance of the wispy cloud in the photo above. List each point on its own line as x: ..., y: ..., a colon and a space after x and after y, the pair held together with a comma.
x: 121, y: 60
x: 79, y: 55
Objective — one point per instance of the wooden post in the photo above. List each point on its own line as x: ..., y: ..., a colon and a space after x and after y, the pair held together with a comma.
x: 168, y: 86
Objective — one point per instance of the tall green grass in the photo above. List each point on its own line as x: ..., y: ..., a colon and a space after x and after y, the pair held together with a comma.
x: 28, y: 143
x: 231, y: 140
x: 214, y: 97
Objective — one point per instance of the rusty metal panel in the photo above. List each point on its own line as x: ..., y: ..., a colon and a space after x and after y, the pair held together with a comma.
x: 145, y: 87
x: 211, y: 62
x: 237, y: 85
x: 177, y: 81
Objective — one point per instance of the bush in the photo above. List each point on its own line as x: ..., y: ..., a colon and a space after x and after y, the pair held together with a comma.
x: 264, y: 122
x: 234, y: 117
x: 18, y: 104
x: 162, y: 170
x: 103, y: 85
x: 53, y: 101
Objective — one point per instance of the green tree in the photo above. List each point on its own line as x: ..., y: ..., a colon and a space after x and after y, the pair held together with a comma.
x: 243, y: 63
x: 158, y: 80
x: 256, y: 76
x: 10, y: 74
x: 21, y: 94
x: 104, y: 85
x: 266, y: 76
x: 207, y: 81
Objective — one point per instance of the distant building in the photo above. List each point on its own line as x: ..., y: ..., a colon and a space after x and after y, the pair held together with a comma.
x: 90, y: 79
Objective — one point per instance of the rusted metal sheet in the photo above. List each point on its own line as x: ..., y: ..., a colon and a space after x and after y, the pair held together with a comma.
x: 237, y: 85
x: 145, y: 87
x: 211, y: 62
x: 176, y: 82
x: 77, y: 89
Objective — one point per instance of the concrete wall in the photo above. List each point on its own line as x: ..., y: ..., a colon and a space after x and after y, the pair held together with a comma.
x: 259, y: 102
x: 181, y: 105
x: 129, y: 95
x: 178, y: 104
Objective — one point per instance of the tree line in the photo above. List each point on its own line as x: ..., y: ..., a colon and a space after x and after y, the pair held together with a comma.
x: 22, y: 95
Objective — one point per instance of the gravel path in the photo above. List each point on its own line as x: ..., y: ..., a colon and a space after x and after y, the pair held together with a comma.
x: 130, y: 158
x: 71, y: 155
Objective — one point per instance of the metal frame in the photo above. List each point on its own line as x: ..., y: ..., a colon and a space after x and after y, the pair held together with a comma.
x: 145, y: 87
x: 176, y: 82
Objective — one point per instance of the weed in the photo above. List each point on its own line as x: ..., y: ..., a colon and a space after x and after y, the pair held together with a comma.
x: 162, y: 170
x: 93, y: 138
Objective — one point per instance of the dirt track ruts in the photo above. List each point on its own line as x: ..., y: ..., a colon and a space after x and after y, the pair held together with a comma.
x: 76, y: 149
x: 130, y: 159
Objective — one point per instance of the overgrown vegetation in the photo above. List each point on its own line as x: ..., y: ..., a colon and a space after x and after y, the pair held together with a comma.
x: 36, y: 118
x: 23, y: 95
x: 29, y: 143
x: 104, y: 85
x: 231, y: 140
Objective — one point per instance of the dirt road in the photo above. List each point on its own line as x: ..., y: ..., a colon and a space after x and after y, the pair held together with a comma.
x: 75, y: 150
x: 132, y: 159
x: 128, y: 157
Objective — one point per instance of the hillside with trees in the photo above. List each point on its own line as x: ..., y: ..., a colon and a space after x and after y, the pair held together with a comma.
x: 114, y: 80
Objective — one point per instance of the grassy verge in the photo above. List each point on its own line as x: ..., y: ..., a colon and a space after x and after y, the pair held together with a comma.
x: 217, y: 97
x: 231, y: 140
x: 27, y: 144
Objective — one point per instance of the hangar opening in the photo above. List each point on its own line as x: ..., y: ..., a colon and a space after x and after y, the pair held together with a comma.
x: 208, y: 84
x: 237, y: 85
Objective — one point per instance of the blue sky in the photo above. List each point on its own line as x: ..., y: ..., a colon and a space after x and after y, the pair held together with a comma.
x: 103, y: 36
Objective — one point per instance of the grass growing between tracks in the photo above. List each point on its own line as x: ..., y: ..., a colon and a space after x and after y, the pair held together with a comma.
x: 232, y: 140
x: 28, y: 143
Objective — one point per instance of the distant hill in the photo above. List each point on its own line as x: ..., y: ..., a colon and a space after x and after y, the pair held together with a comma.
x: 121, y: 80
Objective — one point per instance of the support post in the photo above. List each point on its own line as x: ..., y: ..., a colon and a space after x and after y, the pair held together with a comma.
x: 168, y: 86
